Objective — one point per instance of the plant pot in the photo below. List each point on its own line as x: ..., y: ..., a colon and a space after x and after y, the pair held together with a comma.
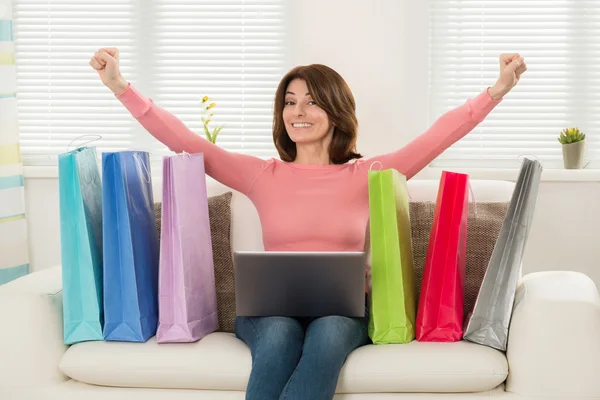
x: 573, y: 155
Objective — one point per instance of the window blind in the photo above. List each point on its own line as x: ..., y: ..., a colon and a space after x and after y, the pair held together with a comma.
x: 232, y: 52
x: 560, y: 89
x: 175, y: 52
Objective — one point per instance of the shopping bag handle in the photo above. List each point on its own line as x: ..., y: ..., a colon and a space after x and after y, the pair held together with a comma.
x: 374, y: 162
x: 89, y: 176
x: 98, y: 137
x: 521, y: 156
x: 473, y: 199
x: 381, y: 166
x: 139, y: 161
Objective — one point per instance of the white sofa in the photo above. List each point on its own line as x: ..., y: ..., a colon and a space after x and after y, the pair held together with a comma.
x: 553, y: 349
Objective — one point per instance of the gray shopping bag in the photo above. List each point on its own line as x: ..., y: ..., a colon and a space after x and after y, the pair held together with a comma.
x: 489, y: 322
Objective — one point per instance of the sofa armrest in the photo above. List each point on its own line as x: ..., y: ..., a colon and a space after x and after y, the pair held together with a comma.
x: 554, y: 339
x: 31, y: 333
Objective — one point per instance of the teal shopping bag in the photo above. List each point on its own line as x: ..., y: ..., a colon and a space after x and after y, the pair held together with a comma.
x: 80, y: 200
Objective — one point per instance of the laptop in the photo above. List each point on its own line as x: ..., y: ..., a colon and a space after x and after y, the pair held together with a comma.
x: 299, y: 284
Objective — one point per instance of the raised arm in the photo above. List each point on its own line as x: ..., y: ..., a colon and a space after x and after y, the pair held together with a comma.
x: 238, y: 171
x: 454, y: 124
x: 444, y: 132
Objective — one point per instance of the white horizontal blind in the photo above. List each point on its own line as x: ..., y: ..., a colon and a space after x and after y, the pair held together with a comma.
x: 174, y: 52
x: 560, y: 40
x: 231, y: 51
x: 59, y: 96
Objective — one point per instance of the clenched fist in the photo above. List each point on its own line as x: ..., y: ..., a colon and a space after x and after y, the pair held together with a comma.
x: 512, y: 66
x: 106, y: 62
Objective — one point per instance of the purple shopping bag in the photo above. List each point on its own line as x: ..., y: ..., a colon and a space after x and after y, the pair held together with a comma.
x: 187, y: 298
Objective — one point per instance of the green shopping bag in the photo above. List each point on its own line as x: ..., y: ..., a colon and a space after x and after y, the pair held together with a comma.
x: 393, y: 302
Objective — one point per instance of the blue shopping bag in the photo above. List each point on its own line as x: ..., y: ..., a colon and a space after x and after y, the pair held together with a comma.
x: 131, y: 247
x: 80, y: 205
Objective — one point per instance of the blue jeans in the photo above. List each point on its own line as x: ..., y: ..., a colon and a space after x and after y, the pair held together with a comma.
x: 298, y: 358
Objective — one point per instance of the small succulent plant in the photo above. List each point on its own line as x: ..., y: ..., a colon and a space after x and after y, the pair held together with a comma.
x: 207, y: 106
x: 571, y: 135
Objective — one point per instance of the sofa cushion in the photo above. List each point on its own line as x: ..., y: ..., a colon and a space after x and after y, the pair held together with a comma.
x: 219, y: 213
x: 483, y: 227
x: 423, y: 367
x: 222, y: 362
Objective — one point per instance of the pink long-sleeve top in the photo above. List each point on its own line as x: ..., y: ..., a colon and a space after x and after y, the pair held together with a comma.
x: 308, y: 207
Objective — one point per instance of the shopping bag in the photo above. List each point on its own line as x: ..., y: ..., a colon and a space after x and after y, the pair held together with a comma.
x: 392, y: 306
x: 187, y: 295
x: 80, y: 207
x: 441, y: 299
x: 488, y: 325
x: 130, y: 247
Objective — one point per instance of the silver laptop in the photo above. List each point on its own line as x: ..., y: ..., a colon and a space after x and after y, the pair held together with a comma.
x: 300, y: 284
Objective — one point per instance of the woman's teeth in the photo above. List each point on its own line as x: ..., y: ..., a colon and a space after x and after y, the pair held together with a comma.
x: 302, y: 125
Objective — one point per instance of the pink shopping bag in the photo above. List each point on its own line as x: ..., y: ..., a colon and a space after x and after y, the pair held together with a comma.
x: 441, y: 300
x: 187, y: 296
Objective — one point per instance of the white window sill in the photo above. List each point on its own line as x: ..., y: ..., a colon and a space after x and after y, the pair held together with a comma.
x: 549, y: 175
x: 39, y: 172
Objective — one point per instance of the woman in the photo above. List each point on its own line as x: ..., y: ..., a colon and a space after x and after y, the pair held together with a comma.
x: 313, y: 199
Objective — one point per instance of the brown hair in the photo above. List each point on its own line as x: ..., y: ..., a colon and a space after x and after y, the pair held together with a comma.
x: 329, y: 90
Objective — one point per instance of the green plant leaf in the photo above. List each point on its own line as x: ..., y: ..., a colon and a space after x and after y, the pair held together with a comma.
x: 562, y: 138
x: 208, y: 135
x: 217, y: 131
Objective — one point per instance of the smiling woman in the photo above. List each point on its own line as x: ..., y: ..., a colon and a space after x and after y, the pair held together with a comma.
x: 313, y: 199
x: 317, y: 95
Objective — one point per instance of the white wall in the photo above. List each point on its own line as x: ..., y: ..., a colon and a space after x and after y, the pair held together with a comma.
x: 380, y: 47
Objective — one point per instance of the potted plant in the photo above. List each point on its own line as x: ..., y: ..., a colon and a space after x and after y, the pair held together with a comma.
x: 206, y: 108
x: 573, y: 145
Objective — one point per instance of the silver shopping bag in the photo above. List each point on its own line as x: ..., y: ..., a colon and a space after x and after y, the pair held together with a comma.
x: 490, y: 319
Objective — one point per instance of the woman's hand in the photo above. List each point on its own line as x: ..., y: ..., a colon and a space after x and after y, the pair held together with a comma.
x: 512, y: 67
x: 106, y: 62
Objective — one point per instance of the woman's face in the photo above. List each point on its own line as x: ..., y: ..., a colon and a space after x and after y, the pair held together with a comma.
x: 305, y: 122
